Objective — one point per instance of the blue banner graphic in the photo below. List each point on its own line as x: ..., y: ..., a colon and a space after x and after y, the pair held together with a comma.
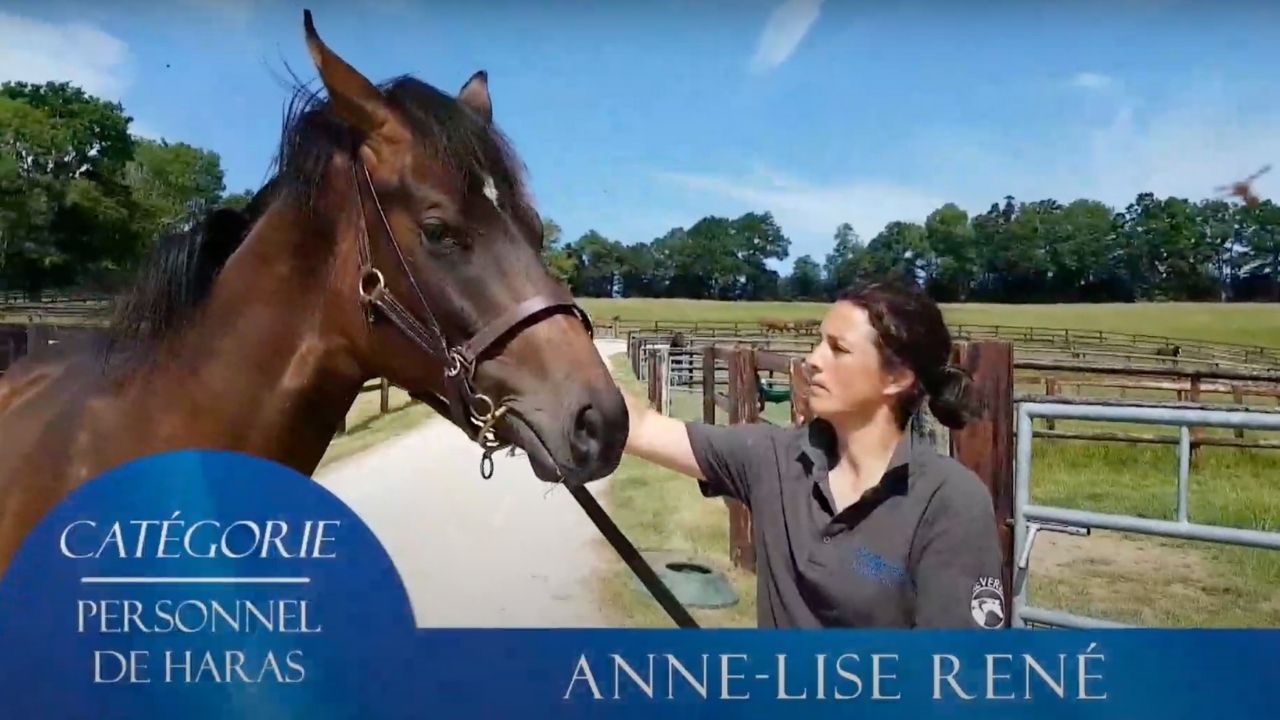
x: 209, y: 584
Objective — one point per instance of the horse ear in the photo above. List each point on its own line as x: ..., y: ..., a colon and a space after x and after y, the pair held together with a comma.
x: 475, y: 95
x: 355, y: 99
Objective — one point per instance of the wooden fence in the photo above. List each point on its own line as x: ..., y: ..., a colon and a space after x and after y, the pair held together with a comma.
x: 1246, y: 386
x: 1151, y: 349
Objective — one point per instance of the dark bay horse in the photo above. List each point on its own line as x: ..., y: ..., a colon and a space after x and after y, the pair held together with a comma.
x: 394, y: 240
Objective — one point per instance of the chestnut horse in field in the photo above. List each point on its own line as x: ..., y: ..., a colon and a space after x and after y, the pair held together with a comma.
x: 394, y: 240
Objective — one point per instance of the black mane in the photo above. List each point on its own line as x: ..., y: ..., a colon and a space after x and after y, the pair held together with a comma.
x: 179, y: 270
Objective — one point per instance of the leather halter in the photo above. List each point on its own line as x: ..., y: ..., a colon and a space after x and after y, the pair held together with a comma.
x: 459, y: 403
x: 460, y: 365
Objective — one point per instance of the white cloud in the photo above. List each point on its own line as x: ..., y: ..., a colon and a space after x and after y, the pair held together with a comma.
x: 236, y: 12
x: 1186, y: 147
x: 810, y: 210
x: 1091, y: 81
x: 782, y: 33
x: 145, y: 131
x: 37, y: 51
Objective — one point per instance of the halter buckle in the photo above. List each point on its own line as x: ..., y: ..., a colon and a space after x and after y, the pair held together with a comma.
x: 456, y: 364
x: 379, y: 289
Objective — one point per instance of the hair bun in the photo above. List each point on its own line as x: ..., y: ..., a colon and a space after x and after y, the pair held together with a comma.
x: 950, y: 392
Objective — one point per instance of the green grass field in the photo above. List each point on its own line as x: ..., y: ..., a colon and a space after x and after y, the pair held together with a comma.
x: 1251, y: 323
x: 1119, y: 576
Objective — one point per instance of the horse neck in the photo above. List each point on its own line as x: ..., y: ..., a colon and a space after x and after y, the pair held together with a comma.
x: 266, y: 364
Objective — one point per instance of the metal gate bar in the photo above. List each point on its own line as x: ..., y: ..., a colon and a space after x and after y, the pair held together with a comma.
x: 1029, y: 519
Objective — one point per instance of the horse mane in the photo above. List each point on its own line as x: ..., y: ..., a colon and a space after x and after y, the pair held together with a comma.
x: 177, y: 273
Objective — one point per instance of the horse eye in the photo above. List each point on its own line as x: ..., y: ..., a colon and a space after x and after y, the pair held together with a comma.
x: 434, y: 232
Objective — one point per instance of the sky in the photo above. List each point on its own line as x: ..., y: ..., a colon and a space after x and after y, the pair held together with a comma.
x: 636, y: 117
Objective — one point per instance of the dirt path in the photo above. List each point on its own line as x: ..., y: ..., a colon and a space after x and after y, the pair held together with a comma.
x: 473, y: 552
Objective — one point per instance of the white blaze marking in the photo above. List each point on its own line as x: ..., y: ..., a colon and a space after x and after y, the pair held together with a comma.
x: 490, y: 191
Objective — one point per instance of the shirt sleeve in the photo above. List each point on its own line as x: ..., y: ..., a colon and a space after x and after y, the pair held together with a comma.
x: 958, y: 568
x: 731, y: 458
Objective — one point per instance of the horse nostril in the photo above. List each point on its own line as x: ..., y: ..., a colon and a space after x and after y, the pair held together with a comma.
x: 588, y: 429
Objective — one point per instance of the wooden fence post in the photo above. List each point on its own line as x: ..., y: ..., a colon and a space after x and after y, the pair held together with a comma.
x: 799, y: 392
x: 1051, y: 389
x: 744, y: 408
x: 709, y: 384
x: 985, y: 446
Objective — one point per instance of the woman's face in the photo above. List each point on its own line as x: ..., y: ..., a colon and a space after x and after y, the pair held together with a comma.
x: 846, y: 377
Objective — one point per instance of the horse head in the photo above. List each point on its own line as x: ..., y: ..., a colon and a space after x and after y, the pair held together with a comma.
x: 447, y: 292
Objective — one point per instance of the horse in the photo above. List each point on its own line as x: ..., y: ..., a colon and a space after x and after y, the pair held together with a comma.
x: 808, y: 325
x: 775, y: 325
x: 395, y: 238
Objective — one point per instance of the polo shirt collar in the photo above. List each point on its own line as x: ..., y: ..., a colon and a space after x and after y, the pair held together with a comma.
x: 819, y: 453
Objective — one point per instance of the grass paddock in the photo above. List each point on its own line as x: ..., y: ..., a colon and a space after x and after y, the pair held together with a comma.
x: 1249, y: 323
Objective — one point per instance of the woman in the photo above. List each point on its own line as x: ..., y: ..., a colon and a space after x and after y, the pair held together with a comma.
x: 855, y: 524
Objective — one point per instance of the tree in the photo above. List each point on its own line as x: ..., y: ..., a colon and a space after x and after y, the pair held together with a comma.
x: 757, y: 238
x: 706, y: 264
x: 950, y: 238
x: 597, y: 265
x: 900, y: 253
x: 1263, y: 253
x: 92, y: 134
x: 805, y: 281
x: 1218, y: 222
x: 173, y: 184
x: 66, y: 212
x: 560, y: 262
x: 238, y: 200
x: 846, y: 263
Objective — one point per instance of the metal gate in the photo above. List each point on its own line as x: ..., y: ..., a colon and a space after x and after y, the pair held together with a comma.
x: 1031, y: 519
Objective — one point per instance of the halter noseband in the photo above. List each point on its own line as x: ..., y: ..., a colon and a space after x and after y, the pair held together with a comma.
x: 460, y: 361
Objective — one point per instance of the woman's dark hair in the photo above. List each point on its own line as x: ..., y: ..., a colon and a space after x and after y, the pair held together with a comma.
x: 910, y: 332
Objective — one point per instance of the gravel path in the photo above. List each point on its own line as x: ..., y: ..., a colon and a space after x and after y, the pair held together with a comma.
x: 473, y: 552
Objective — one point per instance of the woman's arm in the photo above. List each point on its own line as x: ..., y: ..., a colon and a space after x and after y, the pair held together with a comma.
x: 725, y: 459
x: 659, y: 439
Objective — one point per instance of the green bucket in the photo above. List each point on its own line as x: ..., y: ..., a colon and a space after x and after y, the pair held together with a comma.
x: 694, y: 584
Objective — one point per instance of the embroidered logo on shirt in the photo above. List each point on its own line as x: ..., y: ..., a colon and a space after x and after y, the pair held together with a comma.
x: 987, y: 603
x: 874, y: 566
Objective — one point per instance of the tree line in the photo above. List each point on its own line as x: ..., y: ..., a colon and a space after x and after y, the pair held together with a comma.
x: 81, y: 197
x: 1154, y: 249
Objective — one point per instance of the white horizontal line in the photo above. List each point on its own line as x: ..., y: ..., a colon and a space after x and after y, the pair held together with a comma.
x: 194, y: 580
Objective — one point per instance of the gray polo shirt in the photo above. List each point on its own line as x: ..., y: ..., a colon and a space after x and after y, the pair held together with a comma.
x: 920, y: 549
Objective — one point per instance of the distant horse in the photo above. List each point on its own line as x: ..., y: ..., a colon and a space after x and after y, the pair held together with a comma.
x: 808, y: 325
x: 1169, y: 351
x: 395, y: 240
x: 775, y: 325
